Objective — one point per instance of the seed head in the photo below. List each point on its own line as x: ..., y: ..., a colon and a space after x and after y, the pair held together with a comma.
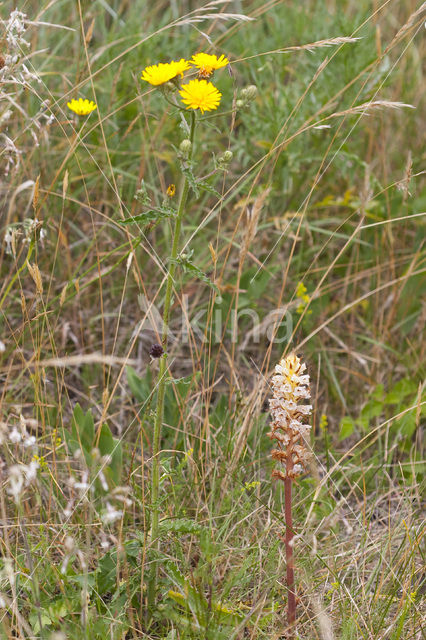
x: 156, y: 351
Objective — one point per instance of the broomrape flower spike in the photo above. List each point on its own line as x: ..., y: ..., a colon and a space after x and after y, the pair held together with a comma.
x: 161, y: 73
x: 82, y: 107
x: 290, y: 385
x: 207, y: 63
x: 200, y: 94
x: 290, y: 388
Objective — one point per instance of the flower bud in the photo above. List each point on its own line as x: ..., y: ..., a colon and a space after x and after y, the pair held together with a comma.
x: 249, y: 93
x: 240, y: 104
x: 224, y: 159
x: 185, y: 147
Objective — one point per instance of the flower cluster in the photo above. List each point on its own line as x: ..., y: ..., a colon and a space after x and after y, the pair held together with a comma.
x: 290, y: 386
x: 303, y: 298
x: 198, y: 93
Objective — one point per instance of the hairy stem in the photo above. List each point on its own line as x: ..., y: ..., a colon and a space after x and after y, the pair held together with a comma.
x: 162, y: 375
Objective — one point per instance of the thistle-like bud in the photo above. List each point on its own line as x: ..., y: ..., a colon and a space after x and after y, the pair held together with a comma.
x: 290, y: 387
x: 185, y: 148
x: 249, y: 93
x: 224, y: 160
x: 226, y: 157
x: 141, y: 194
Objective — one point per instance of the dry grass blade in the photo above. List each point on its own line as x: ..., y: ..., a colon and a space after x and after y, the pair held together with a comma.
x: 252, y: 214
x: 225, y: 17
x: 319, y: 44
x: 371, y: 106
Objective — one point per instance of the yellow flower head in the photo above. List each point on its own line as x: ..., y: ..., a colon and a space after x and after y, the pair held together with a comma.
x: 200, y: 94
x: 82, y: 107
x: 207, y: 63
x: 161, y: 73
x: 171, y: 190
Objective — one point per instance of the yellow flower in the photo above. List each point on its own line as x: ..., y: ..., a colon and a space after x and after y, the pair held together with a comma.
x: 82, y: 107
x: 160, y: 73
x: 171, y: 190
x: 200, y: 94
x: 207, y: 63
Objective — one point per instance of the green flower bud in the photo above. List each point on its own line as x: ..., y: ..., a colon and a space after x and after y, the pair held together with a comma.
x: 240, y: 104
x: 185, y: 147
x: 226, y: 157
x: 249, y: 93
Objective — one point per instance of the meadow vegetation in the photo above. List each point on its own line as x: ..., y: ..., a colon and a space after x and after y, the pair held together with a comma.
x: 156, y: 263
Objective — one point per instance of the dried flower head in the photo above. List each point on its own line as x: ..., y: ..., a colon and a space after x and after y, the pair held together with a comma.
x: 156, y: 350
x: 290, y: 387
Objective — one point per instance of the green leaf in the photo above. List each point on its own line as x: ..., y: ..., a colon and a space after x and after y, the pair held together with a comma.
x: 347, y: 427
x: 140, y: 387
x: 198, y: 185
x: 185, y: 262
x: 152, y: 215
x: 82, y: 432
x: 399, y: 391
x: 106, y: 441
x: 116, y: 463
x: 406, y: 425
x: 181, y: 526
x: 372, y: 409
x: 187, y: 172
x: 205, y: 186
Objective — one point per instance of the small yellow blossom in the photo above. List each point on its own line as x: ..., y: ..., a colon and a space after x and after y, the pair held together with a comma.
x: 82, y: 107
x: 304, y: 299
x: 41, y: 461
x: 207, y: 63
x: 250, y: 485
x: 323, y: 422
x: 200, y: 94
x: 171, y: 190
x: 161, y: 73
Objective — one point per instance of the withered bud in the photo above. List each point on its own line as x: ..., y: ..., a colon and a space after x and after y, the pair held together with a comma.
x: 156, y: 351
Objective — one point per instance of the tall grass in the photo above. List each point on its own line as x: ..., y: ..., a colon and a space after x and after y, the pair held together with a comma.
x: 311, y: 241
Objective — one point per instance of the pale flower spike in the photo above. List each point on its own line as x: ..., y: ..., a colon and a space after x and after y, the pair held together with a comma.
x: 290, y: 386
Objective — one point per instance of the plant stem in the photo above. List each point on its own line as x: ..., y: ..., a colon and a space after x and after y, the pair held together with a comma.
x: 155, y: 481
x: 289, y: 534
